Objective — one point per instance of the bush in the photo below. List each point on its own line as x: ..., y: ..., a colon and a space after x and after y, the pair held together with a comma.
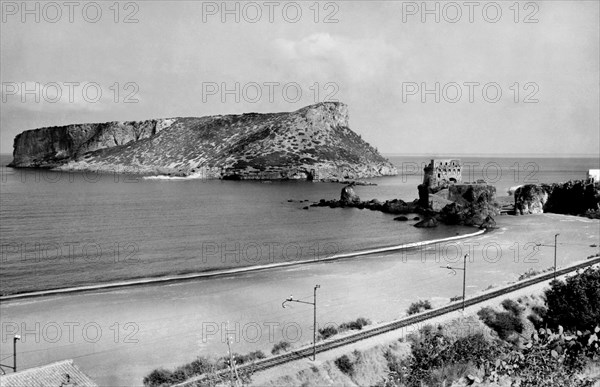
x: 159, y: 377
x: 248, y: 358
x: 327, y: 332
x: 418, y: 307
x: 282, y: 346
x: 503, y: 323
x: 512, y: 307
x: 345, y: 364
x: 358, y: 324
x: 575, y: 305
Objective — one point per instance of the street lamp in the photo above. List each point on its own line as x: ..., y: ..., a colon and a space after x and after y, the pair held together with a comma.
x: 554, y: 245
x: 14, y: 366
x: 314, y: 304
x: 464, y: 270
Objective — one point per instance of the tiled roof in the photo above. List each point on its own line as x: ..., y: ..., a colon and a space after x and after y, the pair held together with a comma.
x: 60, y: 374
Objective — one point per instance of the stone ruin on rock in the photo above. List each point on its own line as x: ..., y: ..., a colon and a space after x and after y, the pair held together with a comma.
x: 440, y: 173
x: 437, y: 176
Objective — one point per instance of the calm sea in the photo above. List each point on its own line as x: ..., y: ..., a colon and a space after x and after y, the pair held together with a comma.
x: 65, y: 229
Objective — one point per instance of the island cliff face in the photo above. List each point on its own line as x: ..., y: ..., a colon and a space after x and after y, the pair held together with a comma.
x: 313, y: 143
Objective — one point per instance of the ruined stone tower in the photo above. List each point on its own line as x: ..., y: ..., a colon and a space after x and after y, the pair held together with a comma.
x: 440, y: 173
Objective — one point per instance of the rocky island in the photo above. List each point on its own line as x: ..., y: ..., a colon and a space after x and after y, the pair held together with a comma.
x: 312, y: 143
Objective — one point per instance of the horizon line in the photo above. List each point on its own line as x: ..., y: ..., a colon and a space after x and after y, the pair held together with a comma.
x: 450, y: 155
x: 535, y: 155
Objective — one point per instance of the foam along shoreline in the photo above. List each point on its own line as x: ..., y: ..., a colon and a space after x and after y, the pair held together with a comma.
x: 225, y: 272
x: 193, y: 176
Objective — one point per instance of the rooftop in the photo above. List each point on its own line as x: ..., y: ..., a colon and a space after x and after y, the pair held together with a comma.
x: 60, y: 374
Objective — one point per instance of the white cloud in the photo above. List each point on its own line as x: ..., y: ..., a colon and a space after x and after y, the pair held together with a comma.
x: 324, y: 55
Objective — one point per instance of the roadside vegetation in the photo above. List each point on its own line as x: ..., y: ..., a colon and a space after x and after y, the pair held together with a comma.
x: 418, y: 307
x: 548, y: 340
x: 331, y: 330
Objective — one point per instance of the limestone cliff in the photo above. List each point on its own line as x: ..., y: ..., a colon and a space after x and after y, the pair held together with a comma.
x: 312, y: 143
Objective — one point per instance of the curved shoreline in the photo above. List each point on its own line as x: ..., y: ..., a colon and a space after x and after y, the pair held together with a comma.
x: 225, y: 272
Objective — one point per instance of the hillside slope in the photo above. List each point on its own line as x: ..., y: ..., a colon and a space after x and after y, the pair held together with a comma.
x: 312, y: 143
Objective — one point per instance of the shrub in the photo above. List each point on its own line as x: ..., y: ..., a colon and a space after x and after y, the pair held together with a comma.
x: 358, y: 324
x: 327, y: 332
x: 551, y: 359
x: 248, y: 358
x: 503, y: 323
x: 574, y: 304
x: 159, y: 377
x: 435, y: 357
x: 345, y: 364
x: 512, y: 307
x: 418, y: 307
x: 282, y: 346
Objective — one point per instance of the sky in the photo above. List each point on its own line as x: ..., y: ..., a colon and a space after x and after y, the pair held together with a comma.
x: 485, y: 78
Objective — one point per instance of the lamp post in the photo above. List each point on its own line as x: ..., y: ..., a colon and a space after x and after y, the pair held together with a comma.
x: 464, y: 270
x: 554, y: 245
x: 314, y: 304
x: 14, y: 366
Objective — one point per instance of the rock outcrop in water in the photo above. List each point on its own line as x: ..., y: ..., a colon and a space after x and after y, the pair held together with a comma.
x: 464, y: 204
x: 313, y: 143
x: 577, y: 197
x: 530, y: 199
x: 348, y: 195
x: 471, y: 204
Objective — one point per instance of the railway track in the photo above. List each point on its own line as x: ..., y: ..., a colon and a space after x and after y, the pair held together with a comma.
x: 273, y: 361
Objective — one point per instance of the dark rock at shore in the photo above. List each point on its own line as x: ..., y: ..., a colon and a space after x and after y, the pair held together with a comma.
x: 530, y: 199
x: 427, y: 223
x: 350, y: 199
x: 464, y: 204
x: 488, y: 223
x: 471, y: 204
x: 416, y: 218
x: 348, y: 196
x: 575, y: 197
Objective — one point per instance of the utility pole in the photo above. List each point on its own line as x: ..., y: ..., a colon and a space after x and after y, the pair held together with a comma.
x: 14, y: 366
x: 315, y: 323
x: 555, y: 245
x: 233, y: 371
x: 464, y: 270
x: 314, y: 304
